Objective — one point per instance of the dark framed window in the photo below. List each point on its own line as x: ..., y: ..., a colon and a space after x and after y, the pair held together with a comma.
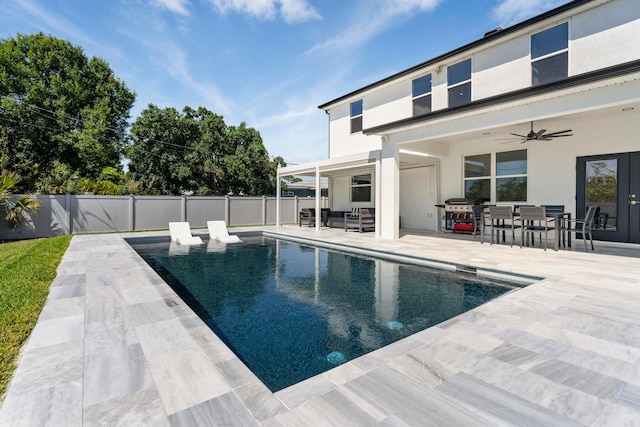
x: 511, y: 163
x: 477, y: 177
x: 421, y: 93
x: 459, y: 83
x: 550, y: 69
x: 361, y: 188
x: 550, y: 55
x: 509, y: 178
x: 356, y: 116
x: 477, y: 166
x: 460, y: 95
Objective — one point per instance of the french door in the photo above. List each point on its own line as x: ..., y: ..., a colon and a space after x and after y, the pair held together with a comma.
x: 612, y: 183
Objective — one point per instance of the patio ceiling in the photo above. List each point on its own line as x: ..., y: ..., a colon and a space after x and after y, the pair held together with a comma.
x: 501, y: 135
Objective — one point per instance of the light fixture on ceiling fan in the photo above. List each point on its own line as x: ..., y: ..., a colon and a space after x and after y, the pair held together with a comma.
x: 541, y: 135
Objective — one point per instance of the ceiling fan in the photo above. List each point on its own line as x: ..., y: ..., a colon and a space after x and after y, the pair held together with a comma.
x: 541, y: 135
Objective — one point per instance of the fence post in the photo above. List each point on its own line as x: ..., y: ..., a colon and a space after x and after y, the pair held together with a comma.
x: 264, y: 210
x: 132, y: 213
x: 183, y: 210
x: 227, y: 210
x: 296, y: 205
x: 67, y: 201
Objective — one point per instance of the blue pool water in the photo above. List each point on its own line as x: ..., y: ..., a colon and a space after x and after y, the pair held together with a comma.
x: 291, y: 311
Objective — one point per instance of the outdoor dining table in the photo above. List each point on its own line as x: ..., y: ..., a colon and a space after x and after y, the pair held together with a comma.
x: 559, y: 221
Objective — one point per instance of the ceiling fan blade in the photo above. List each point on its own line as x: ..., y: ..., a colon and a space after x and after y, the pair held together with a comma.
x: 538, y: 134
x: 558, y: 136
x: 560, y: 131
x: 521, y: 136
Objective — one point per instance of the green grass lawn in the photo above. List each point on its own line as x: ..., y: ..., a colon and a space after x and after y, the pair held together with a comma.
x: 27, y: 269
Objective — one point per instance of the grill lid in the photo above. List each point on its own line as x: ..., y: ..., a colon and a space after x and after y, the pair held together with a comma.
x: 463, y: 201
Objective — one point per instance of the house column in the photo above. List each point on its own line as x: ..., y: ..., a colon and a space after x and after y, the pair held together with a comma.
x: 388, y: 192
x: 318, y: 200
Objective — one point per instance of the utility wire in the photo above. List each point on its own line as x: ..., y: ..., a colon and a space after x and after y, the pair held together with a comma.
x: 40, y: 111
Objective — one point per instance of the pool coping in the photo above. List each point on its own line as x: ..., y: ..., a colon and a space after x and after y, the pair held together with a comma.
x: 441, y: 363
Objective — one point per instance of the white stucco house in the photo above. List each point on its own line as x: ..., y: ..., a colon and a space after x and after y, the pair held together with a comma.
x: 447, y: 128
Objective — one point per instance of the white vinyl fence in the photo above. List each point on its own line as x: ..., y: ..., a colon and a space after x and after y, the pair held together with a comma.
x: 70, y: 214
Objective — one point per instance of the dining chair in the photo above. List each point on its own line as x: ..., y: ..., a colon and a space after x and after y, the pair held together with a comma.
x: 479, y: 222
x: 534, y: 220
x: 584, y: 226
x: 501, y: 219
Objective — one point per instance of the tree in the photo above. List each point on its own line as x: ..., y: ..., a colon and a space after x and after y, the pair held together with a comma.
x: 196, y: 152
x: 15, y: 212
x: 58, y: 107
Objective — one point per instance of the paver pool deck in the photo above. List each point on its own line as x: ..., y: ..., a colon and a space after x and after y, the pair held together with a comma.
x: 115, y: 345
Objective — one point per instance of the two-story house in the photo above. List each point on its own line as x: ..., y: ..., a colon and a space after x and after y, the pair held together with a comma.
x: 546, y: 111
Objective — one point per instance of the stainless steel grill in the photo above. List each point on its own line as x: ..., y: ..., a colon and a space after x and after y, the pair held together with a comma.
x: 458, y: 205
x: 459, y: 214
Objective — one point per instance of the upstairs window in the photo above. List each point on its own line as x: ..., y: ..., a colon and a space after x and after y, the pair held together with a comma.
x: 459, y: 83
x: 361, y: 188
x: 421, y: 93
x: 356, y: 116
x: 550, y: 55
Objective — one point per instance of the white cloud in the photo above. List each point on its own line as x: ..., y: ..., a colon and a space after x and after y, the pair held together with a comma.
x: 380, y: 15
x: 297, y: 11
x: 176, y: 6
x: 509, y: 12
x: 290, y: 10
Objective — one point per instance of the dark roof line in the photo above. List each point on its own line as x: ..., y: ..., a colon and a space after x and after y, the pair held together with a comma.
x: 580, y: 79
x: 486, y: 39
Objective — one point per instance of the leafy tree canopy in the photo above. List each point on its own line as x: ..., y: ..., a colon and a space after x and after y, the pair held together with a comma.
x: 61, y: 113
x: 174, y: 152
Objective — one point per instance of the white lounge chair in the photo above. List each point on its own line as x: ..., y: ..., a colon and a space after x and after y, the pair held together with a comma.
x: 216, y: 246
x: 181, y: 234
x: 218, y: 231
x: 177, y: 249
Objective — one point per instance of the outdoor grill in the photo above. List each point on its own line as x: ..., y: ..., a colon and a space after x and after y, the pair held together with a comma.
x: 460, y: 205
x: 459, y: 213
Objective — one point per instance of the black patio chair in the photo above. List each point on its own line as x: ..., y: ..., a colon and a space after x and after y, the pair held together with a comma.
x: 307, y: 215
x: 584, y: 226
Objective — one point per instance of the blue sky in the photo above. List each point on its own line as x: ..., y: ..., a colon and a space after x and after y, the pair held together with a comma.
x: 269, y: 63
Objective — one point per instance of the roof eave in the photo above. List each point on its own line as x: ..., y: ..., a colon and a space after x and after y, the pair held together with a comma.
x: 477, y: 43
x: 580, y: 79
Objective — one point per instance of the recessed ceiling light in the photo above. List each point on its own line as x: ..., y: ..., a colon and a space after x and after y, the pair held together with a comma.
x: 627, y: 109
x: 486, y: 133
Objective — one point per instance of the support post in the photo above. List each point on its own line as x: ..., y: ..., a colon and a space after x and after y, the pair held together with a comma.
x: 318, y: 200
x: 227, y: 210
x: 132, y: 213
x: 278, y: 195
x: 389, y: 192
x: 264, y: 210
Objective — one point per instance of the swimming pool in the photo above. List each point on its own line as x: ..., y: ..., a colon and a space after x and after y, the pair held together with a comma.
x: 291, y: 311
